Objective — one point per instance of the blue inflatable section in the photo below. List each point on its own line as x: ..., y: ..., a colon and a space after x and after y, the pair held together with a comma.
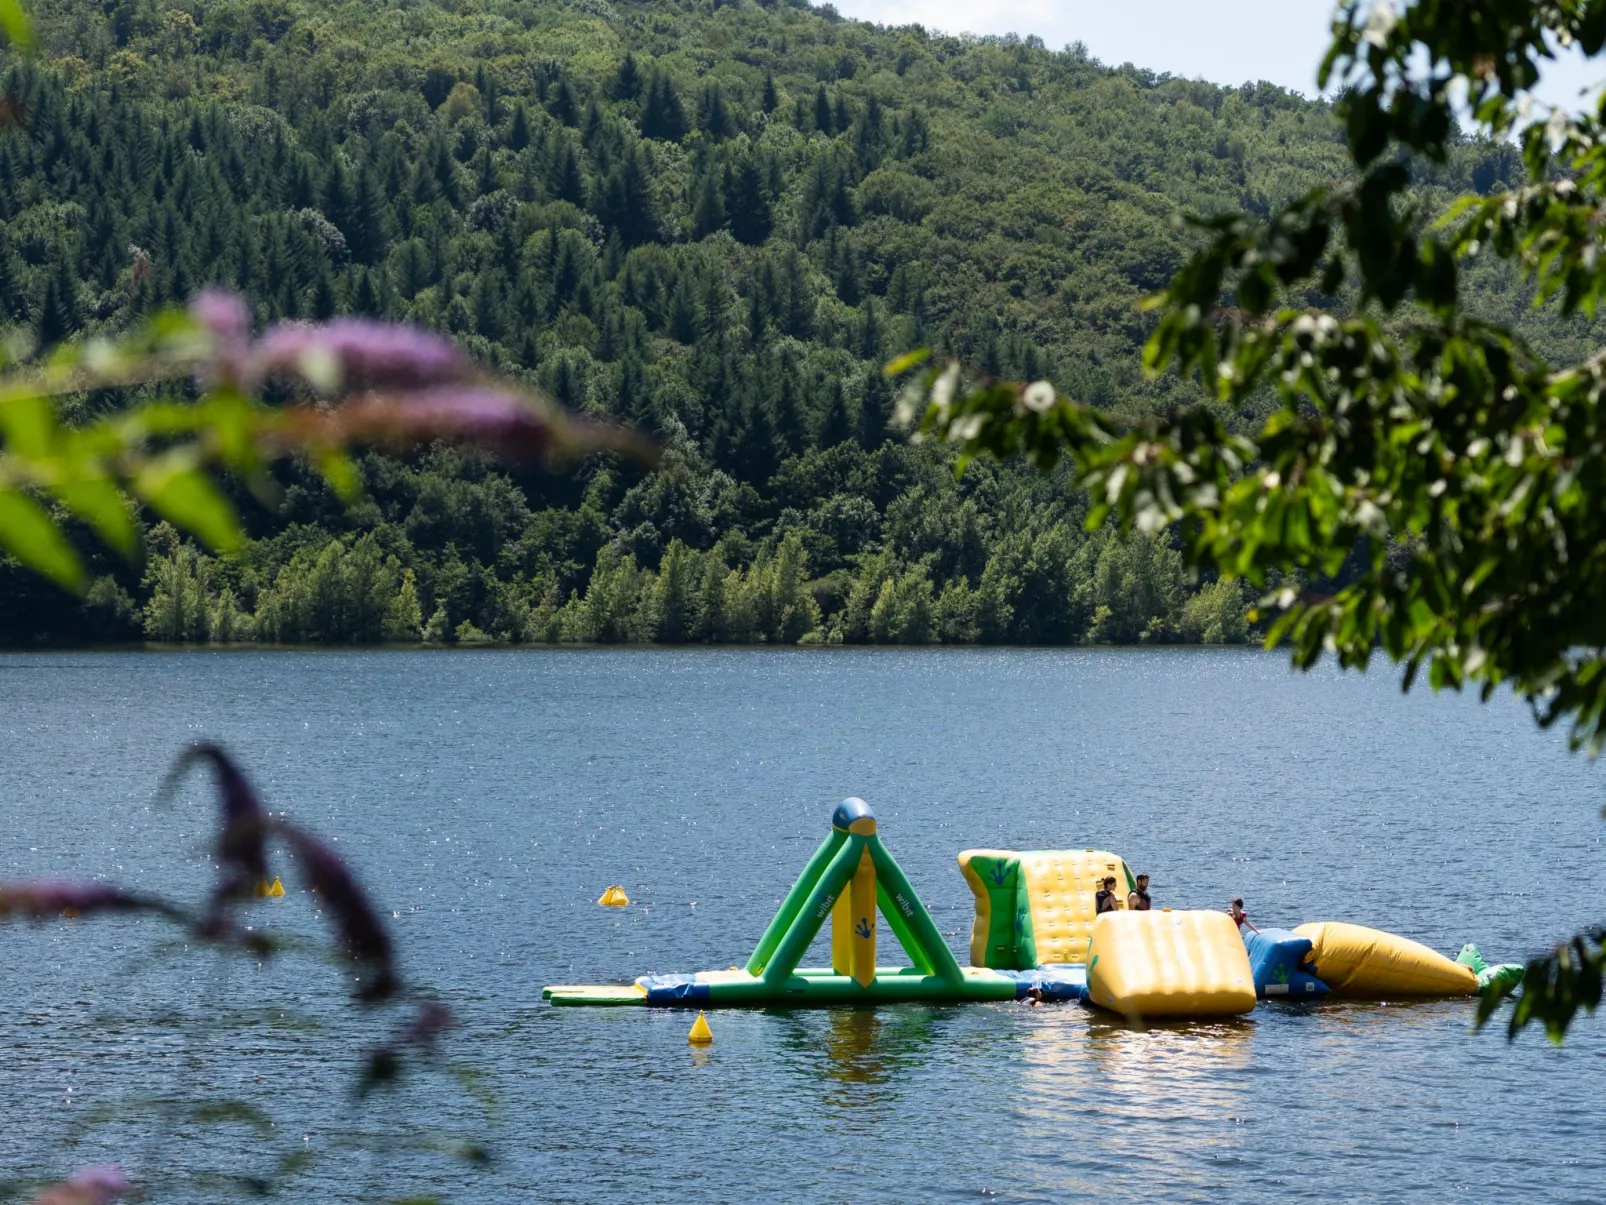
x: 1053, y: 981
x: 1275, y: 959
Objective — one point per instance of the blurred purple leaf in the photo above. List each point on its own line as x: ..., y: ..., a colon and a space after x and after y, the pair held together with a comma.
x: 242, y: 829
x: 42, y: 898
x: 513, y: 426
x: 363, y: 936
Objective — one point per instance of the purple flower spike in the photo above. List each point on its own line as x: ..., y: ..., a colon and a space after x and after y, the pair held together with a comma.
x: 225, y: 317
x: 361, y: 931
x: 44, y: 898
x: 99, y: 1184
x: 360, y: 353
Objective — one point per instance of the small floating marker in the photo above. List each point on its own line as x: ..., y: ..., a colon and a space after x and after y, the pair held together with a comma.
x: 270, y: 891
x: 614, y: 897
x: 700, y: 1034
x: 69, y: 913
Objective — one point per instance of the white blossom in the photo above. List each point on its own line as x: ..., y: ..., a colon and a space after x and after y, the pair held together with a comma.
x: 1038, y: 396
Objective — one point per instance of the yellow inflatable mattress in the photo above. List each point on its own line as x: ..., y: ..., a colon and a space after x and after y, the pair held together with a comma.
x: 1169, y: 964
x: 1353, y: 960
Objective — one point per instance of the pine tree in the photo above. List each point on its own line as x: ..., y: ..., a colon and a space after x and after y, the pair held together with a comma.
x: 627, y: 202
x: 875, y: 408
x: 771, y: 99
x: 683, y: 314
x: 662, y: 115
x: 755, y: 451
x: 748, y: 204
x: 562, y: 104
x: 518, y: 134
x: 564, y: 180
x: 822, y: 112
x: 791, y: 433
x: 323, y: 303
x: 837, y: 425
x: 870, y: 333
x: 13, y: 302
x: 713, y: 114
x: 627, y: 83
x: 58, y: 310
x: 708, y: 212
x: 366, y: 238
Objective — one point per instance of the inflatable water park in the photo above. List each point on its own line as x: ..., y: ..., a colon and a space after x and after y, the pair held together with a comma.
x: 1037, y: 936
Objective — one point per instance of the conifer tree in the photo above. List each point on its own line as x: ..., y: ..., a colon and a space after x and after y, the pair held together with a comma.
x: 875, y: 408
x: 822, y: 112
x: 790, y: 431
x: 58, y: 309
x: 708, y: 211
x: 518, y: 134
x: 662, y: 114
x: 836, y: 425
x: 770, y: 99
x: 627, y: 83
x: 627, y: 201
x: 713, y: 113
x: 562, y: 103
x: 748, y: 205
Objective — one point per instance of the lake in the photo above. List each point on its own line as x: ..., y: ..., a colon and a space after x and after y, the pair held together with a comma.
x: 488, y: 797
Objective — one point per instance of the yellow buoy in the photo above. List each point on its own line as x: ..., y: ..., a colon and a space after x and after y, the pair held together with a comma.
x: 700, y: 1034
x: 614, y: 897
x: 69, y: 913
x: 270, y: 891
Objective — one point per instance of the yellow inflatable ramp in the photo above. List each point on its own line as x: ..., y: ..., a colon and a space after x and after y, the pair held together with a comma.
x: 1169, y: 964
x: 1353, y: 960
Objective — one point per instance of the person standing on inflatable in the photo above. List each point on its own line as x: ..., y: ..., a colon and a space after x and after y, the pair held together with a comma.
x: 1137, y: 900
x: 1104, y: 899
x: 1236, y: 911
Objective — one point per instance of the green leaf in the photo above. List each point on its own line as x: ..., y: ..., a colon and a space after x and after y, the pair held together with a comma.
x: 29, y: 425
x: 181, y: 493
x: 907, y: 361
x: 28, y: 533
x: 15, y: 25
x: 101, y: 505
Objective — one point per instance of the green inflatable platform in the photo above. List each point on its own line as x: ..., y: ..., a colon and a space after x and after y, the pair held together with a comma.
x: 851, y: 879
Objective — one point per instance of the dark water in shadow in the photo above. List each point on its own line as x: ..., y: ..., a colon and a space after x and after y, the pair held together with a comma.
x: 488, y: 797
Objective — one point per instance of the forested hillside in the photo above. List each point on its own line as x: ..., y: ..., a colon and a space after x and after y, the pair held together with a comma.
x: 714, y: 220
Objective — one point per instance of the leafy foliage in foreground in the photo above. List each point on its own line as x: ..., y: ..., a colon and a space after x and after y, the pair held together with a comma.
x: 713, y: 221
x: 1457, y: 469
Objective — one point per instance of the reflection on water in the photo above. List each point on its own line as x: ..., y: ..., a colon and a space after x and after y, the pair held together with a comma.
x: 490, y: 797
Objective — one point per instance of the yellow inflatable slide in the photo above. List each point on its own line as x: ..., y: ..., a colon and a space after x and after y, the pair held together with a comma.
x: 1353, y: 960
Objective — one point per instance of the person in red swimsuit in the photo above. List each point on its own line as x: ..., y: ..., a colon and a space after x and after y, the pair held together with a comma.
x: 1239, y: 915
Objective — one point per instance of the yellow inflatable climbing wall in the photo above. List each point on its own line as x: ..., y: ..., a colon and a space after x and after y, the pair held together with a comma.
x: 1037, y: 908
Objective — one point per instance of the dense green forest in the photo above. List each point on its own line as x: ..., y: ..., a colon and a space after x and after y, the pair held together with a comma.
x: 712, y: 219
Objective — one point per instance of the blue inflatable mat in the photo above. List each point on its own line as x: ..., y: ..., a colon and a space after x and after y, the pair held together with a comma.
x: 1276, y: 957
x: 1055, y: 981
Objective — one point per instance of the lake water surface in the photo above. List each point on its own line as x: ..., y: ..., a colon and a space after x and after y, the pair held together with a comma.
x: 488, y: 797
